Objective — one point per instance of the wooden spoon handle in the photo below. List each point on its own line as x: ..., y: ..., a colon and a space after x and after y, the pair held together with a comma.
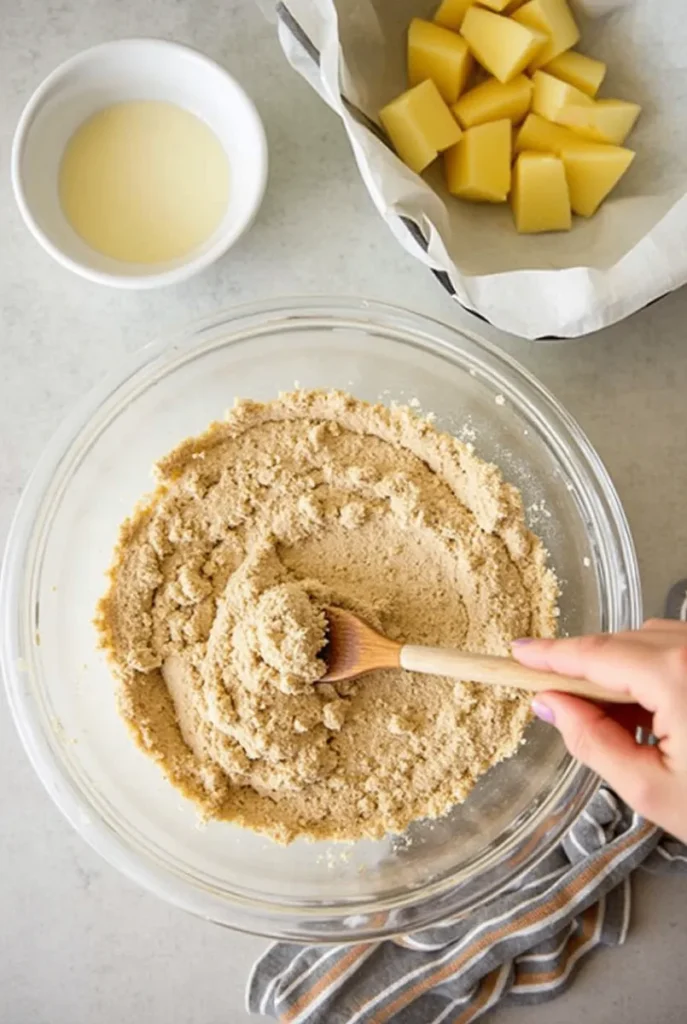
x: 491, y: 671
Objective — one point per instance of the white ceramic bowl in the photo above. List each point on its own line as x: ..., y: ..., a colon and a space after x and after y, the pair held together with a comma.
x: 130, y: 69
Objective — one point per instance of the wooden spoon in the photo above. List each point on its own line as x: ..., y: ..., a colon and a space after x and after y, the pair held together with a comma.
x: 354, y: 648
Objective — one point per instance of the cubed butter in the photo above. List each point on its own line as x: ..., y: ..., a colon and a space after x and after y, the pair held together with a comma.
x: 502, y: 46
x: 420, y: 125
x: 540, y: 198
x: 553, y: 18
x: 479, y: 167
x: 495, y: 5
x: 585, y: 73
x: 494, y: 100
x: 440, y: 55
x: 604, y: 121
x: 593, y: 171
x: 551, y: 96
x: 542, y: 136
x: 450, y: 13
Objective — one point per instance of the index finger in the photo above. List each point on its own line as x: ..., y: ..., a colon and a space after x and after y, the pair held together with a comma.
x: 620, y: 663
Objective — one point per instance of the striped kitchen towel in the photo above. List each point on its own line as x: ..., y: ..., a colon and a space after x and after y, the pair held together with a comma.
x: 524, y: 947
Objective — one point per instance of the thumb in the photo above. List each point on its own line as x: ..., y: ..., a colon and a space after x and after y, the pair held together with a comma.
x: 636, y: 773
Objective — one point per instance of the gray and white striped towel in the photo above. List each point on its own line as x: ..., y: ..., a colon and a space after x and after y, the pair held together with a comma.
x: 524, y: 947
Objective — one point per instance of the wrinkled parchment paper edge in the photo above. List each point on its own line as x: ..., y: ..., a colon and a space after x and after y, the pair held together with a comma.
x: 571, y: 302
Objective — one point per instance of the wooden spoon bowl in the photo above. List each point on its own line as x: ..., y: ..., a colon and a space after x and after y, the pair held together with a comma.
x: 354, y: 649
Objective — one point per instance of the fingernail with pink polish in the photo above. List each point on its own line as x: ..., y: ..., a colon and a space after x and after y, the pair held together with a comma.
x: 522, y: 640
x: 543, y: 711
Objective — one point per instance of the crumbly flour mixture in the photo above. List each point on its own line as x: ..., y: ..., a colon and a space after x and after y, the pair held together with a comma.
x: 215, y: 621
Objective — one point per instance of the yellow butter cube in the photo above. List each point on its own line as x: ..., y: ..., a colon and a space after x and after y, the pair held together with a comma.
x: 604, y: 121
x: 542, y: 136
x: 494, y: 100
x: 439, y: 54
x: 479, y: 167
x: 495, y: 5
x: 593, y: 170
x: 420, y: 125
x: 553, y: 18
x: 585, y: 73
x: 450, y: 13
x: 513, y: 6
x: 551, y: 96
x: 540, y: 198
x: 502, y: 47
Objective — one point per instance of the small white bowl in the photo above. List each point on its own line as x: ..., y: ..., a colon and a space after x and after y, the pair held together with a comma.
x: 130, y: 69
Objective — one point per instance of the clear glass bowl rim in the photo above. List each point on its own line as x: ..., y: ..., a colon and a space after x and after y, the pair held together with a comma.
x: 317, y: 922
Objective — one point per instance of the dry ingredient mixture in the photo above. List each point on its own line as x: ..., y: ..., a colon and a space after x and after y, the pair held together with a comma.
x: 215, y: 621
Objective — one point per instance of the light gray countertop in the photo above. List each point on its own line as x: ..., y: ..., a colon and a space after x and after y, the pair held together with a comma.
x: 80, y: 944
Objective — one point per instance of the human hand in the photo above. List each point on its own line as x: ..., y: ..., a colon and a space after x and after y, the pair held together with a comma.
x: 649, y: 664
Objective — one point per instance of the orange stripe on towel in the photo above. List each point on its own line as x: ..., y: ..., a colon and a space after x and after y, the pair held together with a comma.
x: 488, y: 939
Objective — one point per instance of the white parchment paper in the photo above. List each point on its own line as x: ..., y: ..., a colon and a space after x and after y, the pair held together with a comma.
x: 633, y: 251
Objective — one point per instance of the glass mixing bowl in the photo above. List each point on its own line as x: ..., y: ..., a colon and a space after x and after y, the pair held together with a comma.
x: 62, y: 695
